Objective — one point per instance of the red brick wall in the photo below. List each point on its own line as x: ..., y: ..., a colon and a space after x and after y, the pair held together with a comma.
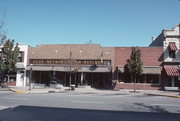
x: 151, y: 56
x: 11, y: 83
x: 138, y: 86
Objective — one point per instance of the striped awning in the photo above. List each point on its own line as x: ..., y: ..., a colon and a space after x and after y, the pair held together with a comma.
x: 172, y: 46
x: 172, y: 70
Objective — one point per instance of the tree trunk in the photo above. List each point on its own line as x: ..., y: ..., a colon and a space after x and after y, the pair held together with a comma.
x: 70, y: 82
x: 7, y: 80
x: 134, y: 83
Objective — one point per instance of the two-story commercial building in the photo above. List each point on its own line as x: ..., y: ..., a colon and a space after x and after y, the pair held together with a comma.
x: 170, y: 41
x: 19, y: 77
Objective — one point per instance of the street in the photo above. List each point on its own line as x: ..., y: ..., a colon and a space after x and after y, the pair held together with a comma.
x: 72, y: 106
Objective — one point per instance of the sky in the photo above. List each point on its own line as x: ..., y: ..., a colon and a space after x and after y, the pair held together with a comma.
x: 106, y: 22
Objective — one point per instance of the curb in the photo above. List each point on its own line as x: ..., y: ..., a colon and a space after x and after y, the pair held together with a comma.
x: 17, y: 91
x: 173, y: 96
x: 50, y: 91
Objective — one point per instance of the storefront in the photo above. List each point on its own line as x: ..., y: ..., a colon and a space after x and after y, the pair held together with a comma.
x: 151, y: 74
x: 95, y: 73
x: 149, y: 79
x: 80, y: 65
x: 171, y: 77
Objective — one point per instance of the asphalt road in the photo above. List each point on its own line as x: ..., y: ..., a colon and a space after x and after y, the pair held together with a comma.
x: 73, y: 106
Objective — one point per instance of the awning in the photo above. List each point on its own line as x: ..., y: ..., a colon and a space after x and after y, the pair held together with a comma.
x: 146, y: 69
x: 172, y: 70
x: 67, y: 68
x: 151, y: 70
x: 172, y: 46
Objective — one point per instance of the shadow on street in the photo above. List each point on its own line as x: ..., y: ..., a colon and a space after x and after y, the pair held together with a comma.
x: 34, y: 113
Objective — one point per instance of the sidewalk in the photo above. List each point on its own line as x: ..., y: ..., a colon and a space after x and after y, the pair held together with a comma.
x: 34, y: 90
x: 174, y: 94
x: 93, y: 91
x: 66, y: 90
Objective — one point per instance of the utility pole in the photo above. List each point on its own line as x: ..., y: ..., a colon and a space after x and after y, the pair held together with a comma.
x: 70, y: 69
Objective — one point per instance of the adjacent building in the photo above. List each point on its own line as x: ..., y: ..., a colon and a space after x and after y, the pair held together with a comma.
x: 152, y: 58
x: 170, y: 41
x: 19, y: 77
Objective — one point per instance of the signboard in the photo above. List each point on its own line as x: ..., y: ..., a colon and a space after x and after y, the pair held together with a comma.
x: 68, y: 61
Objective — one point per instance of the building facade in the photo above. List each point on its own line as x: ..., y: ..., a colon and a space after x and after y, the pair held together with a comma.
x: 19, y: 77
x: 101, y: 67
x: 78, y: 64
x: 170, y: 41
x: 151, y: 75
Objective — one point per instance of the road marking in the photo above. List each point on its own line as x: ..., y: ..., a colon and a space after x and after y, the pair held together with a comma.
x: 86, y: 102
x: 15, y: 99
x: 171, y: 105
x: 85, y: 95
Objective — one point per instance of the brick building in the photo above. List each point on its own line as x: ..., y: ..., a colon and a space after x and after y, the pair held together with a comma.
x: 170, y: 41
x: 152, y: 58
x: 101, y: 67
x: 88, y: 64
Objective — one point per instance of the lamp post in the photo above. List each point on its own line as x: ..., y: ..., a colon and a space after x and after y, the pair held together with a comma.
x: 70, y: 62
x: 30, y: 77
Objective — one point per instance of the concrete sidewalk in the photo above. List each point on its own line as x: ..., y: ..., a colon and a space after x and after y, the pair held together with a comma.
x: 93, y: 91
x: 34, y: 90
x: 67, y: 90
x: 174, y: 94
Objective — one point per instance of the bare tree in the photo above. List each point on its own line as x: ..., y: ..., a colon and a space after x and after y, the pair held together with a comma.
x: 2, y: 24
x: 71, y: 66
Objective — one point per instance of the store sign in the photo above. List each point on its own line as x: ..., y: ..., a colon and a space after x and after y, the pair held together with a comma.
x: 68, y: 61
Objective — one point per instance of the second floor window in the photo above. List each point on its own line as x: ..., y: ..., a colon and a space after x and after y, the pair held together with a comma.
x: 172, y: 54
x: 21, y: 56
x: 172, y: 49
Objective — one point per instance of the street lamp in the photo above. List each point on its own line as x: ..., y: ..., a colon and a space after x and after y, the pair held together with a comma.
x: 30, y: 78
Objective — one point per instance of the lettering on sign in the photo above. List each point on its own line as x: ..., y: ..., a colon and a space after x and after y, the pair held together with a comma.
x: 63, y: 62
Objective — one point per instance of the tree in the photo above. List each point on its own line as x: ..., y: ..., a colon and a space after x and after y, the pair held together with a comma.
x: 9, y: 57
x: 134, y: 65
x: 2, y: 24
x: 71, y: 67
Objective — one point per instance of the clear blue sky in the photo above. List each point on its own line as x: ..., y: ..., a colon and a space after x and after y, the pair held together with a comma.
x: 106, y: 22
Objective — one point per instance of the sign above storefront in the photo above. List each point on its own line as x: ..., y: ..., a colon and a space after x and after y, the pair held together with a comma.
x: 68, y: 61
